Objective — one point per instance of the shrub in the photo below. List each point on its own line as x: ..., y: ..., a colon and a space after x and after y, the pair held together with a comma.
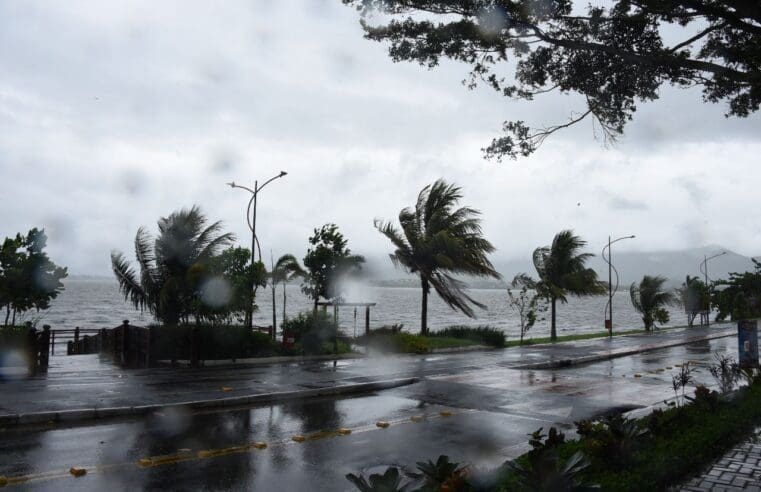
x: 485, y: 335
x: 13, y: 336
x: 312, y: 330
x: 214, y: 342
x: 386, y: 340
x: 726, y: 372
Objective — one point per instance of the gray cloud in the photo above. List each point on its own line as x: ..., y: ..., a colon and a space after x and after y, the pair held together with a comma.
x: 126, y: 113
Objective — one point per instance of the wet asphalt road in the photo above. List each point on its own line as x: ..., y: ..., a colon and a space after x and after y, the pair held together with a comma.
x: 492, y: 410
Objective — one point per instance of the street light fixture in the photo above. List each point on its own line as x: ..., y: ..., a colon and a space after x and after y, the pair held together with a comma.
x: 704, y: 271
x: 611, y: 290
x: 251, y: 220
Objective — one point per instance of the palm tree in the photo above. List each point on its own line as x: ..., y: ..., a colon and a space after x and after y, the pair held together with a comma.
x: 287, y: 268
x: 694, y: 296
x: 170, y: 264
x: 562, y: 271
x: 650, y: 299
x: 437, y: 240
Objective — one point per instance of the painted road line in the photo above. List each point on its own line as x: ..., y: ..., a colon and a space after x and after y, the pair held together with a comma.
x: 187, y: 455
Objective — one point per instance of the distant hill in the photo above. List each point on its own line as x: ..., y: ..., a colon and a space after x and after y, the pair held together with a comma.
x: 631, y: 266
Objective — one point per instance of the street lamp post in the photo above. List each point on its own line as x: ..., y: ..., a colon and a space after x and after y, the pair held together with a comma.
x: 251, y: 221
x: 610, y: 278
x: 704, y: 271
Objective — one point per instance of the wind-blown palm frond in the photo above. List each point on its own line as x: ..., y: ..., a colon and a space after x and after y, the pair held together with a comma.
x: 438, y: 240
x: 650, y: 299
x: 562, y: 272
x: 128, y: 282
x: 170, y: 265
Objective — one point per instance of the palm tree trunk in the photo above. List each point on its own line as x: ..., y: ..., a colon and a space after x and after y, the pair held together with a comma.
x: 553, y: 332
x: 274, y: 316
x: 283, y: 302
x: 7, y: 313
x: 424, y: 313
x: 13, y: 322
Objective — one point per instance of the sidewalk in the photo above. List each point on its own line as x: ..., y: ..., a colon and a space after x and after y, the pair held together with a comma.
x: 83, y: 387
x: 738, y: 469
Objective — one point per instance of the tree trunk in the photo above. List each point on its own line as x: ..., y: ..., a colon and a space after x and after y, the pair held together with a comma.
x: 7, y: 313
x: 424, y: 313
x: 274, y: 316
x: 283, y: 302
x: 13, y: 321
x: 553, y: 332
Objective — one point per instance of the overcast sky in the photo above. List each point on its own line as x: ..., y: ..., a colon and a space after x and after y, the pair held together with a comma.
x: 114, y: 115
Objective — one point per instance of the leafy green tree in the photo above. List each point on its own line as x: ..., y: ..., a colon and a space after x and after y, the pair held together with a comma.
x: 738, y: 297
x: 529, y: 305
x: 694, y: 297
x: 286, y: 268
x: 173, y: 265
x: 438, y: 240
x: 614, y: 55
x: 28, y: 278
x: 225, y: 289
x: 562, y: 271
x: 650, y: 299
x: 327, y: 261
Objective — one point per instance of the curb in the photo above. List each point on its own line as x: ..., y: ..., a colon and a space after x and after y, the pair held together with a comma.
x: 85, y: 414
x: 560, y: 363
x: 252, y: 361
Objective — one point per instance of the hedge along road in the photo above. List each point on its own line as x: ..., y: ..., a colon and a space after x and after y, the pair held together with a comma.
x: 487, y: 414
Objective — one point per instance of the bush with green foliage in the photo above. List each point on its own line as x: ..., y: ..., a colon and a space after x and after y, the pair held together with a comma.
x: 312, y: 331
x: 485, y: 335
x: 28, y: 279
x: 214, y: 342
x: 441, y: 475
x: 739, y: 297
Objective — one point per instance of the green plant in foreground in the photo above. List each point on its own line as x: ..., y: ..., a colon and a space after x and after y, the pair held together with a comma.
x: 441, y: 475
x: 390, y: 481
x: 546, y: 471
x: 726, y: 372
x: 680, y: 381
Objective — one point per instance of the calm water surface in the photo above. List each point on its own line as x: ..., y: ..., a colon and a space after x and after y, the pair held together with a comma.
x: 96, y: 303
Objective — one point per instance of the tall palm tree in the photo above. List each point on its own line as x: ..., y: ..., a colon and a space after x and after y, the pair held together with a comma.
x: 562, y: 272
x: 170, y: 264
x: 287, y: 268
x: 438, y: 240
x: 650, y: 300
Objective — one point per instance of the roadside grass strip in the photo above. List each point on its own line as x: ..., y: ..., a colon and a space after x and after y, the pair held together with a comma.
x: 186, y: 455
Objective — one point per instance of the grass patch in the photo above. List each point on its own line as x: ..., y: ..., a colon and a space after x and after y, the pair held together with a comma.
x: 482, y: 335
x: 582, y: 336
x: 391, y: 339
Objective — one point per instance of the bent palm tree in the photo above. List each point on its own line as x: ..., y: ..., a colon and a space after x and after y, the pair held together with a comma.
x: 170, y: 264
x: 650, y: 300
x: 437, y: 240
x: 287, y: 268
x: 562, y: 271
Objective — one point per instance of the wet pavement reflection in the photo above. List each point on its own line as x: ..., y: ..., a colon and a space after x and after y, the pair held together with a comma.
x: 487, y: 413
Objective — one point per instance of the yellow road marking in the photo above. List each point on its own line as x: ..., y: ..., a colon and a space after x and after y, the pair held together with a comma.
x: 187, y: 455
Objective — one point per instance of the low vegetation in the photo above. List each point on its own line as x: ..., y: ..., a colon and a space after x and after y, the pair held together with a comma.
x: 392, y: 339
x: 482, y: 335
